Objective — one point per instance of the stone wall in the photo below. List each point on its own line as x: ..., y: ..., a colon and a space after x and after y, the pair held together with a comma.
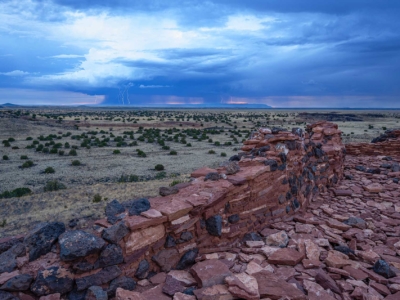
x: 386, y: 144
x: 278, y: 173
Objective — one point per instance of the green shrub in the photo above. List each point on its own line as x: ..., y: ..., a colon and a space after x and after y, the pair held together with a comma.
x: 3, y: 224
x: 217, y: 143
x: 96, y: 198
x: 29, y: 138
x: 141, y: 153
x: 160, y: 175
x: 165, y: 147
x: 15, y: 148
x: 24, y: 157
x: 72, y: 152
x: 116, y: 152
x: 54, y: 185
x: 6, y: 144
x: 5, y: 157
x: 45, y: 150
x: 175, y: 182
x: 49, y: 170
x: 18, y: 192
x: 159, y: 167
x: 27, y: 164
x: 76, y: 163
x: 11, y: 139
x: 61, y: 152
x: 211, y: 152
x: 188, y: 145
x: 54, y: 151
x: 173, y: 152
x: 210, y: 140
x: 223, y: 154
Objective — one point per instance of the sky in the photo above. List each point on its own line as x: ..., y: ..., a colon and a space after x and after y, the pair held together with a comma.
x: 282, y: 53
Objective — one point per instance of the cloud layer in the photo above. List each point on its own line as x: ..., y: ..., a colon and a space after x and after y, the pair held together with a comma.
x: 284, y: 53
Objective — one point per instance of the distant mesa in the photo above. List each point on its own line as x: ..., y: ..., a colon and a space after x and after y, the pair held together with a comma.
x: 8, y: 105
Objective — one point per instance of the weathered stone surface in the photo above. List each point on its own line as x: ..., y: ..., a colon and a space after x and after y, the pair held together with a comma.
x: 96, y: 293
x: 214, y: 225
x: 210, y: 272
x: 138, y: 206
x: 269, y: 286
x: 141, y: 238
x: 123, y: 282
x: 52, y: 280
x: 216, y: 292
x: 113, y: 208
x: 122, y: 294
x: 109, y: 256
x: 166, y: 191
x: 115, y: 233
x: 285, y: 256
x: 40, y: 240
x: 187, y: 260
x: 18, y: 283
x: 279, y: 239
x: 77, y: 243
x: 337, y: 259
x: 183, y: 276
x: 327, y: 282
x: 7, y: 296
x: 8, y: 259
x: 202, y: 172
x: 315, y: 291
x: 172, y: 286
x: 155, y: 293
x: 243, y: 286
x: 374, y: 188
x: 181, y: 296
x: 99, y: 278
x: 56, y: 296
x: 166, y: 259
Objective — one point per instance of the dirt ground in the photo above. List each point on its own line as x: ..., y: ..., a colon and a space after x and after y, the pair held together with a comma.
x: 100, y: 169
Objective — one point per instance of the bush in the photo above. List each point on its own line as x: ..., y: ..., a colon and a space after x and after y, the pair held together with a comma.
x: 49, y: 170
x: 15, y: 148
x: 18, y: 192
x: 24, y: 157
x: 141, y: 153
x: 76, y: 163
x: 96, y: 198
x: 211, y: 152
x: 54, y: 151
x: 223, y: 154
x: 11, y: 139
x: 165, y: 147
x: 27, y: 164
x: 54, y: 185
x: 6, y: 144
x: 5, y: 157
x: 159, y: 167
x: 188, y: 145
x: 173, y: 152
x: 160, y: 175
x: 45, y: 150
x: 61, y: 152
x: 217, y: 143
x: 116, y: 152
x: 29, y: 138
x: 4, y: 223
x: 72, y: 152
x: 175, y: 182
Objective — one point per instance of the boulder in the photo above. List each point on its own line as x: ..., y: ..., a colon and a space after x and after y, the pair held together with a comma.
x: 210, y: 272
x: 138, y: 206
x: 40, y: 240
x: 99, y: 278
x: 77, y: 243
x: 166, y: 259
x: 214, y: 225
x: 123, y: 282
x: 109, y: 256
x: 53, y: 280
x: 96, y: 293
x: 279, y: 239
x: 142, y: 270
x: 188, y: 259
x: 18, y: 283
x: 115, y: 233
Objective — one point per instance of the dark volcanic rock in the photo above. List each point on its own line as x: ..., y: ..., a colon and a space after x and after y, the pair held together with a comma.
x: 115, y: 233
x: 361, y: 168
x: 355, y: 222
x: 233, y: 219
x: 40, y: 240
x: 273, y: 164
x: 188, y: 259
x: 76, y: 295
x: 139, y: 206
x: 113, y: 208
x: 4, y: 246
x: 96, y: 293
x: 123, y: 282
x: 52, y: 280
x: 166, y: 191
x: 77, y: 243
x: 7, y: 296
x: 344, y: 250
x: 111, y: 255
x: 142, y: 269
x: 166, y: 259
x: 213, y: 176
x: 102, y: 277
x: 382, y: 268
x: 214, y: 225
x: 186, y: 236
x: 18, y: 283
x: 252, y: 236
x: 234, y: 158
x: 169, y: 242
x: 8, y: 260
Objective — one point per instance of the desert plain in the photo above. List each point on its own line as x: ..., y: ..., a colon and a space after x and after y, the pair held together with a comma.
x: 68, y: 163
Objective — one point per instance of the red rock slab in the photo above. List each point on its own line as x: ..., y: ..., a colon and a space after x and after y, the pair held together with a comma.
x: 216, y: 292
x: 269, y: 286
x: 357, y: 274
x: 210, y: 272
x: 202, y: 172
x: 382, y: 289
x: 51, y: 297
x: 139, y: 222
x: 155, y: 293
x: 337, y: 225
x: 373, y: 188
x: 343, y: 192
x: 393, y: 297
x: 285, y: 256
x: 122, y: 294
x: 175, y: 209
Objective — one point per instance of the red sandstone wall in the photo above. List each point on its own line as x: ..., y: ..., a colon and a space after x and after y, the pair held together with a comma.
x: 279, y: 173
x: 389, y: 146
